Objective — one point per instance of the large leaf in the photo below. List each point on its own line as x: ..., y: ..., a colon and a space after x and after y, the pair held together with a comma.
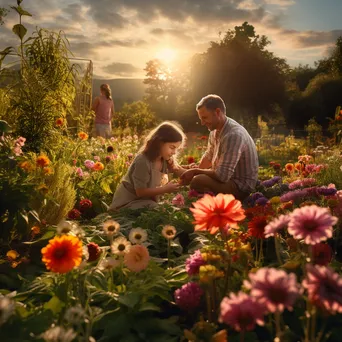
x: 48, y: 235
x: 19, y: 30
x: 54, y: 304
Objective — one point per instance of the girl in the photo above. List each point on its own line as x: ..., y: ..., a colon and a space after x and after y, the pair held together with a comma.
x: 147, y: 177
x: 103, y: 107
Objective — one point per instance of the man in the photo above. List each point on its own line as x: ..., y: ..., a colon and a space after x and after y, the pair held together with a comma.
x: 230, y: 163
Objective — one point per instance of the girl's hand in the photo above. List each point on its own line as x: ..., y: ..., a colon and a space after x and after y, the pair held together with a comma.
x: 171, y: 187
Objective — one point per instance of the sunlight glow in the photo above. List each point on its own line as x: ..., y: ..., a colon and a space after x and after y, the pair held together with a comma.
x: 166, y: 55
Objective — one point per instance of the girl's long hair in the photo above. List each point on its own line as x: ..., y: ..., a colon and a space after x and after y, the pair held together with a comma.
x: 166, y: 132
x: 106, y: 89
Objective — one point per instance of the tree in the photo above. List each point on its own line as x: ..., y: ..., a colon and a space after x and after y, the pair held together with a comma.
x: 333, y: 63
x: 248, y: 77
x: 3, y: 13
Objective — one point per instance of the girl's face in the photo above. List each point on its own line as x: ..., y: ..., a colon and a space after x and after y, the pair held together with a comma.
x: 169, y: 149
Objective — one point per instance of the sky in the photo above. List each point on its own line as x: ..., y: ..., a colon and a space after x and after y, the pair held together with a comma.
x: 121, y: 36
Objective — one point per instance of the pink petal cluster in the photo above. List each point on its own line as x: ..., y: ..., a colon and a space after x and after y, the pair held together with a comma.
x: 89, y: 164
x: 276, y: 225
x: 324, y: 288
x: 194, y: 262
x: 311, y: 223
x: 178, y: 200
x: 188, y: 297
x: 137, y: 258
x: 241, y: 311
x: 273, y: 288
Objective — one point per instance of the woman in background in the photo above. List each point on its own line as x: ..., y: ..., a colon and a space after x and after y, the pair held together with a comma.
x: 103, y: 107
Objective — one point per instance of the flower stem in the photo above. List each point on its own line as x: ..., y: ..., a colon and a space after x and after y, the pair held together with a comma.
x: 242, y: 336
x: 209, y: 310
x: 277, y: 321
x: 277, y: 248
x: 168, y: 252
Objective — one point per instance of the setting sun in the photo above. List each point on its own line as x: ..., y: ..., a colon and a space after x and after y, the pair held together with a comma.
x: 166, y: 55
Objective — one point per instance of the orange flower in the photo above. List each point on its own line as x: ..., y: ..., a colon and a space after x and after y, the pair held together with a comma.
x: 212, y: 213
x: 289, y: 167
x: 62, y: 254
x: 256, y: 227
x: 60, y: 122
x: 299, y: 166
x: 83, y: 135
x: 35, y: 230
x: 47, y: 171
x: 12, y: 255
x: 26, y: 165
x: 42, y: 161
x: 98, y: 166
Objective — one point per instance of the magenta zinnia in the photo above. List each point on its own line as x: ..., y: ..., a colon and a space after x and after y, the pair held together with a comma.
x: 188, y: 297
x: 274, y: 288
x: 324, y: 288
x: 194, y: 262
x: 241, y: 312
x: 311, y: 223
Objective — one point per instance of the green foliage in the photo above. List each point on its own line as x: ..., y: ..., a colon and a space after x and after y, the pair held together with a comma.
x: 3, y: 13
x: 333, y: 172
x: 137, y: 116
x: 315, y: 133
x: 61, y: 195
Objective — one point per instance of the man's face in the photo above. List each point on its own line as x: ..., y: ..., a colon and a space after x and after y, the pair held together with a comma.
x: 209, y: 118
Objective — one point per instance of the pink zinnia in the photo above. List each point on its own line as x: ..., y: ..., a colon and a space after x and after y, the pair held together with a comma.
x: 194, y: 262
x: 178, y: 200
x: 276, y: 225
x: 137, y: 258
x: 311, y: 223
x: 188, y: 297
x: 89, y: 164
x: 242, y: 312
x: 273, y: 288
x: 324, y: 288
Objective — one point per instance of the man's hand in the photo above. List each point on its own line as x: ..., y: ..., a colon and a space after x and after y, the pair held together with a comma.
x: 187, y: 176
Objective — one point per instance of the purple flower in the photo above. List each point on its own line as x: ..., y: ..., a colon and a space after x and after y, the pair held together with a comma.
x: 188, y: 297
x: 273, y: 288
x: 326, y: 191
x: 256, y: 195
x: 193, y: 263
x: 311, y: 223
x: 261, y: 201
x: 267, y: 183
x: 89, y: 164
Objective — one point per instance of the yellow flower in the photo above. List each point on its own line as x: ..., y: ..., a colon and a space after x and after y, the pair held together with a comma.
x: 12, y: 254
x: 275, y: 200
x: 209, y: 272
x: 211, y: 256
x: 83, y: 135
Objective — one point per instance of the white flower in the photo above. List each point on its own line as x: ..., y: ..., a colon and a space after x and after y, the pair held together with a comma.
x: 137, y: 235
x: 111, y: 227
x: 75, y: 315
x: 69, y: 227
x: 108, y: 264
x: 7, y: 308
x: 120, y: 246
x: 58, y: 334
x: 169, y: 232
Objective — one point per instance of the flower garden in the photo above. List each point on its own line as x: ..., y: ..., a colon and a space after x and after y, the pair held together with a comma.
x: 197, y: 268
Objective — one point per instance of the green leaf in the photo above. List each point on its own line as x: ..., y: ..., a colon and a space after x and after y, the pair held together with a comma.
x: 149, y: 307
x: 48, y: 235
x: 21, y: 11
x: 54, y: 304
x: 19, y: 30
x: 129, y: 299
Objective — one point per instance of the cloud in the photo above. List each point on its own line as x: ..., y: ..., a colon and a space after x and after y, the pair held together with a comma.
x: 123, y: 12
x: 282, y: 3
x: 311, y: 39
x: 121, y: 69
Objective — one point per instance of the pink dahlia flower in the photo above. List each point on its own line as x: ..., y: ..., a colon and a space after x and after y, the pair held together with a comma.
x: 276, y: 225
x: 188, y: 297
x: 324, y: 288
x: 273, y: 288
x: 311, y: 223
x: 241, y: 311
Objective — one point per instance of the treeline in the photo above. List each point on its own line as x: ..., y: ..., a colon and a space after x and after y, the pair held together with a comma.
x: 252, y: 81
